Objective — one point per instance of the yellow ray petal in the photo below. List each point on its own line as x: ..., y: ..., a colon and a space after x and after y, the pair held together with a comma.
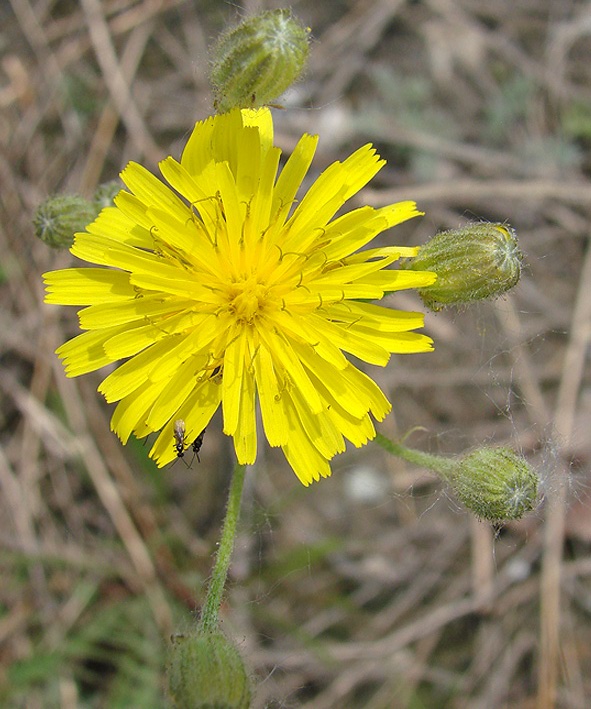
x: 87, y: 286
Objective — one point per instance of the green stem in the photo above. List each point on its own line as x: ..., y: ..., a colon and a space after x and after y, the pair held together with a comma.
x: 215, y: 591
x: 442, y: 466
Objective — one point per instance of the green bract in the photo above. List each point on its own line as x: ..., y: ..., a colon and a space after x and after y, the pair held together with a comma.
x: 59, y: 218
x: 476, y: 262
x: 496, y: 484
x: 258, y: 60
x: 206, y: 670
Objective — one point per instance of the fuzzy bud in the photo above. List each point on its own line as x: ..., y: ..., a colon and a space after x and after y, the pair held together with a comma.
x: 258, y: 60
x: 206, y: 672
x: 495, y: 484
x: 477, y: 262
x: 59, y: 218
x: 105, y: 194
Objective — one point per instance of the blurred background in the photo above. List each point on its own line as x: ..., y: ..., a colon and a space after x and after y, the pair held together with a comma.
x: 373, y: 588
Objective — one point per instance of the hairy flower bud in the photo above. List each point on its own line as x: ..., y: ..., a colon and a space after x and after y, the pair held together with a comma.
x: 59, y: 218
x: 105, y: 194
x: 477, y: 262
x: 258, y: 60
x: 495, y: 484
x: 205, y: 671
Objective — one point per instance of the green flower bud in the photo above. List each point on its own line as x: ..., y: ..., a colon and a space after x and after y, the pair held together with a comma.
x: 59, y: 218
x: 206, y: 672
x: 495, y: 484
x: 258, y: 60
x: 105, y: 194
x: 477, y: 262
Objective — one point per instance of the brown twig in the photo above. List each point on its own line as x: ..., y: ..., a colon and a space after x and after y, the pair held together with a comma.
x: 115, y: 81
x: 573, y: 368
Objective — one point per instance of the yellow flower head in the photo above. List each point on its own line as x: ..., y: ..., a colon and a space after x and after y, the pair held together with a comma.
x: 236, y: 291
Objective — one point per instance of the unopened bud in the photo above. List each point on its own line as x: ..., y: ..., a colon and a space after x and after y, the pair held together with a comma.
x: 495, y: 484
x: 105, y: 194
x: 59, y: 218
x: 477, y: 262
x: 205, y: 671
x: 255, y: 62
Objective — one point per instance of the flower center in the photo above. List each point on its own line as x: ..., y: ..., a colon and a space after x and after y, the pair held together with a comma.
x: 247, y: 299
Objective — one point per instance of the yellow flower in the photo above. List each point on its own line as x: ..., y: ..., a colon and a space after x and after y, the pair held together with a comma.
x: 239, y: 292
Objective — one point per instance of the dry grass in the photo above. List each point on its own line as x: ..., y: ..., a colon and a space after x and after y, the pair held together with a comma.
x: 371, y: 589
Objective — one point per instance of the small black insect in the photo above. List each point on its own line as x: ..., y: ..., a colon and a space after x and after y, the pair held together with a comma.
x: 179, y: 437
x: 197, y: 443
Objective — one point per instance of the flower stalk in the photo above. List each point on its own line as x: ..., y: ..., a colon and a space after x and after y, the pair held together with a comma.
x: 215, y: 591
x: 205, y: 669
x: 436, y: 463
